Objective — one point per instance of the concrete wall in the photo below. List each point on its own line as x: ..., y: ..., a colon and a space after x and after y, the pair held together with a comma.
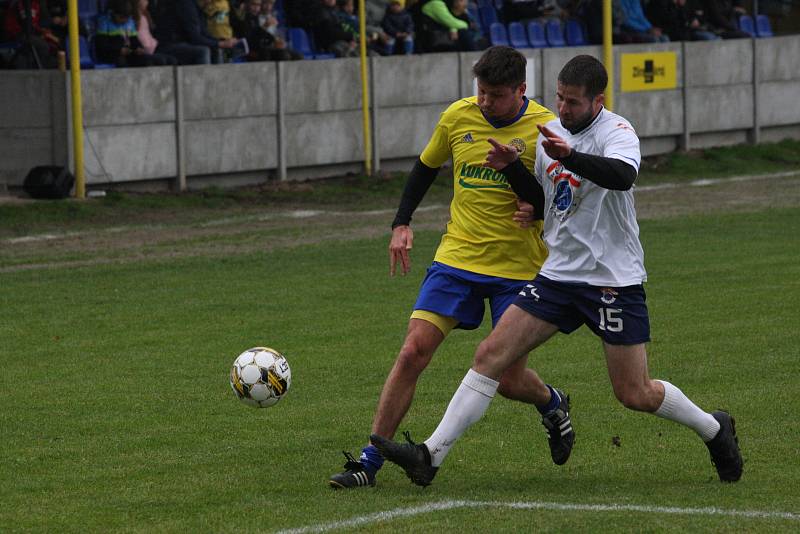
x: 33, y: 122
x: 241, y: 123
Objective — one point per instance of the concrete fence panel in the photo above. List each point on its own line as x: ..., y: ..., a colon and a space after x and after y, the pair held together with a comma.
x: 320, y: 86
x: 127, y: 96
x: 725, y: 62
x: 33, y: 121
x: 231, y: 145
x: 416, y: 80
x: 226, y: 91
x: 713, y: 109
x: 778, y: 58
x: 323, y: 138
x: 115, y: 154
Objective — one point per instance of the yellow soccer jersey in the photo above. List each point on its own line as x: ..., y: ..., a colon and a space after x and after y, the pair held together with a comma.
x: 481, y: 236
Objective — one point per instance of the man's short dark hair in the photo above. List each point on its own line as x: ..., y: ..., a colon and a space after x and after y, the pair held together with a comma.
x: 587, y: 72
x: 501, y: 65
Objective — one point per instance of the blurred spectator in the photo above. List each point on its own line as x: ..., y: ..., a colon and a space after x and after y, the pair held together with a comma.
x: 722, y: 17
x: 40, y: 47
x: 637, y: 27
x: 218, y: 22
x: 329, y: 34
x: 268, y: 18
x: 460, y: 11
x: 150, y: 44
x: 180, y: 27
x: 399, y: 27
x: 524, y: 10
x: 58, y: 21
x: 438, y: 30
x: 302, y: 13
x: 678, y: 21
x: 264, y: 44
x: 117, y: 41
x: 376, y: 41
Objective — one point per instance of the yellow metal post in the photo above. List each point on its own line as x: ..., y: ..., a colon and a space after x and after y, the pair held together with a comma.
x: 362, y: 32
x: 608, y: 53
x: 77, y: 106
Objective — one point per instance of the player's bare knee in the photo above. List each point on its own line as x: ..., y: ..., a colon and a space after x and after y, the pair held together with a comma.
x: 633, y: 398
x: 413, y: 358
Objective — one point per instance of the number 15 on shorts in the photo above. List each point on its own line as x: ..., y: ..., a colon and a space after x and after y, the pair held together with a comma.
x: 610, y: 320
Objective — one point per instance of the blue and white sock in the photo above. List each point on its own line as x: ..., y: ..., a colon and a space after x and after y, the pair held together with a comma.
x: 371, y: 459
x: 555, y: 402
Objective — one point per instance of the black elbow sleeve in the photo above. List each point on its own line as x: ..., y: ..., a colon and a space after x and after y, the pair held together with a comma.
x: 419, y: 181
x: 524, y: 184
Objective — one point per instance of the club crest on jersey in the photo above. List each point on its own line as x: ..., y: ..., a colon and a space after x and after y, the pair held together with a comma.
x: 608, y: 295
x: 519, y: 144
x: 565, y: 200
x: 468, y: 138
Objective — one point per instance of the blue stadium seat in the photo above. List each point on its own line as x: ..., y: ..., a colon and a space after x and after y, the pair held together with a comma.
x: 86, y: 61
x: 763, y: 27
x: 475, y: 15
x: 746, y: 25
x: 574, y: 33
x: 554, y: 33
x: 88, y: 9
x: 498, y: 34
x: 299, y: 40
x: 488, y: 15
x: 516, y: 35
x: 536, y: 34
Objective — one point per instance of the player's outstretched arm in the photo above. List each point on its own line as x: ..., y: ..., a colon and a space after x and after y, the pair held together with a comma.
x: 610, y: 173
x: 505, y: 159
x: 419, y: 181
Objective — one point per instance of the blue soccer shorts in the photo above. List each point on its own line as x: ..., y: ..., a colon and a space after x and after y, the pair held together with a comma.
x: 460, y: 294
x: 618, y: 315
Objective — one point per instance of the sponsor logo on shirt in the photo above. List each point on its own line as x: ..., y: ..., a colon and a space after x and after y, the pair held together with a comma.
x: 496, y: 180
x: 566, y: 184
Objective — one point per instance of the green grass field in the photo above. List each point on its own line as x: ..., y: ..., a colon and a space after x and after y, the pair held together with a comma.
x: 116, y: 413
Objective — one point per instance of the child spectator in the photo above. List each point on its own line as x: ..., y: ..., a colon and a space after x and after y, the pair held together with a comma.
x: 117, y: 41
x: 399, y: 27
x: 264, y: 45
x: 218, y: 22
x: 376, y: 42
x: 268, y: 18
x: 329, y: 34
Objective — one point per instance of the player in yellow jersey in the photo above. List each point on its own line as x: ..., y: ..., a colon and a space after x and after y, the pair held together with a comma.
x: 490, y: 249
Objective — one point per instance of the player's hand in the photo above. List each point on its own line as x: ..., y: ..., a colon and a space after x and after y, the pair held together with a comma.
x: 500, y: 156
x: 554, y: 146
x: 524, y: 214
x: 401, y: 243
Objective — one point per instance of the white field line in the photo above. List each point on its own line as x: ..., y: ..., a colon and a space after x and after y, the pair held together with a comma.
x: 296, y: 214
x: 304, y: 214
x: 536, y: 505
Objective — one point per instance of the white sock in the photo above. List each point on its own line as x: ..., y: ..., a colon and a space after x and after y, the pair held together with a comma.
x: 677, y: 407
x: 468, y: 405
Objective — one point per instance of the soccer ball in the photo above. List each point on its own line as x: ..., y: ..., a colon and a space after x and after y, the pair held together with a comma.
x: 260, y: 377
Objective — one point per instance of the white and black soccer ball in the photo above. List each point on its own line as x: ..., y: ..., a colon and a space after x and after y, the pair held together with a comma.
x: 260, y: 377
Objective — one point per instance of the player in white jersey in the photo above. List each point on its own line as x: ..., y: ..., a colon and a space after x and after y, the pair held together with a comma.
x: 586, y: 164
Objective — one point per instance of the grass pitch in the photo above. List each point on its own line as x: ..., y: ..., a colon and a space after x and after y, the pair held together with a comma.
x: 117, y: 414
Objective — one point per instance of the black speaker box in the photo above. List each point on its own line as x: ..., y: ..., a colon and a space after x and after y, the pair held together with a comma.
x: 48, y: 181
